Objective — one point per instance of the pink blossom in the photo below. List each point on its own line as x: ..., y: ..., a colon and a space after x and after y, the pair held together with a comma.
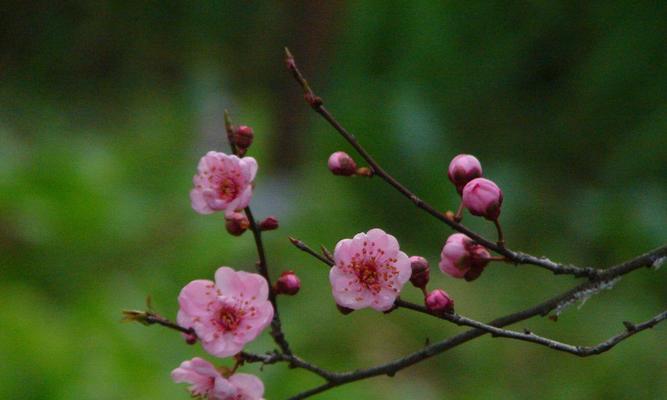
x: 462, y: 169
x: 207, y: 382
x: 461, y: 257
x: 369, y: 271
x: 223, y: 183
x: 226, y: 314
x: 483, y: 198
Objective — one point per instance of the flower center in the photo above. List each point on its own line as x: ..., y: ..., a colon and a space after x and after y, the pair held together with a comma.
x: 368, y: 275
x: 228, y: 189
x: 229, y: 318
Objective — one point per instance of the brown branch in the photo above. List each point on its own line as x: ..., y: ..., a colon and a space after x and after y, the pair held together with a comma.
x: 262, y: 268
x: 527, y: 336
x: 150, y: 318
x: 516, y: 257
x: 480, y: 329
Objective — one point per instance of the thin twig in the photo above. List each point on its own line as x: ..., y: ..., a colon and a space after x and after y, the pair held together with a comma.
x: 263, y: 269
x: 317, y: 104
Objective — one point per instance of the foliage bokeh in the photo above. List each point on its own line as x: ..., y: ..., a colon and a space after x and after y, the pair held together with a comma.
x: 105, y: 108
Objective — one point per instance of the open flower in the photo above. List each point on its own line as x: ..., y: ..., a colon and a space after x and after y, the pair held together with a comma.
x: 369, y: 271
x: 461, y: 257
x: 226, y: 314
x: 222, y: 183
x: 208, y: 383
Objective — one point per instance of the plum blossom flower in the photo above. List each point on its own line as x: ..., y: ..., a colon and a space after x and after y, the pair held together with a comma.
x: 228, y: 313
x: 223, y: 183
x: 208, y: 383
x: 461, y: 257
x: 369, y: 271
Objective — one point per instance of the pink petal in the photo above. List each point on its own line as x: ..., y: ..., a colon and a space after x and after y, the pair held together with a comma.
x: 250, y: 385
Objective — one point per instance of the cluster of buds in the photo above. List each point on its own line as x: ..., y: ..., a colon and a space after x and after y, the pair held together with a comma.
x: 436, y: 301
x: 479, y: 195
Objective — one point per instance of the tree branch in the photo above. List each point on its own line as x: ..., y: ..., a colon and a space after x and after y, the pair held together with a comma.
x: 516, y: 257
x: 479, y: 328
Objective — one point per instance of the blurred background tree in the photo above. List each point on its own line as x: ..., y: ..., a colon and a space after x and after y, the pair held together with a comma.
x: 105, y: 108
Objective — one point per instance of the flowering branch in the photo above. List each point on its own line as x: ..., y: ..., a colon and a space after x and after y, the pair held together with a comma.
x: 494, y: 327
x: 366, y: 271
x: 262, y: 265
x: 515, y: 257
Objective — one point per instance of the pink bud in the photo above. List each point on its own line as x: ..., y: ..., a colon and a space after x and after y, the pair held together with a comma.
x: 269, y: 224
x: 483, y: 198
x: 288, y: 284
x: 243, y: 137
x: 462, y: 169
x: 461, y: 257
x: 420, y: 271
x: 438, y: 302
x: 340, y: 163
x: 236, y: 224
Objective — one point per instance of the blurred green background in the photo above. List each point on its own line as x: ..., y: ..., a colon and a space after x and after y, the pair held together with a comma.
x: 106, y: 107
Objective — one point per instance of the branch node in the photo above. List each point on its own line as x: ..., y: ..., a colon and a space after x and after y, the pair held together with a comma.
x: 629, y: 326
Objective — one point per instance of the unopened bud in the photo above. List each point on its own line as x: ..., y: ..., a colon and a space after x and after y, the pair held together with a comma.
x: 483, y: 198
x: 420, y: 272
x: 343, y: 310
x: 461, y: 257
x: 269, y: 224
x: 288, y: 284
x: 243, y: 136
x: 340, y: 163
x: 439, y: 302
x: 236, y: 224
x: 462, y: 169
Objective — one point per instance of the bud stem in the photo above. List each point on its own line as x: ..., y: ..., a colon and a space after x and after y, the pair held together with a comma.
x: 459, y: 213
x: 501, y: 238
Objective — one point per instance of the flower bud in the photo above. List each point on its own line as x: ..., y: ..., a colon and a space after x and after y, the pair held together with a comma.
x: 483, y: 198
x: 288, y: 284
x: 340, y: 163
x: 461, y: 257
x: 462, y: 169
x: 269, y: 224
x: 243, y: 136
x: 420, y: 272
x: 236, y: 224
x: 439, y: 302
